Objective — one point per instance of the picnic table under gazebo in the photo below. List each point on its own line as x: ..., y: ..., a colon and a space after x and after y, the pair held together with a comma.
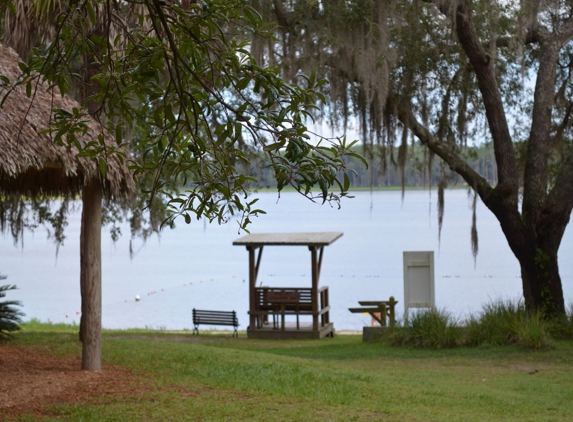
x: 269, y: 306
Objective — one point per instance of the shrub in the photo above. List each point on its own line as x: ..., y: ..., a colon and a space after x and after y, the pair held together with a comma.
x: 428, y: 328
x: 504, y: 322
x: 493, y: 325
x: 562, y: 327
x: 531, y: 331
x: 9, y: 315
x: 500, y: 322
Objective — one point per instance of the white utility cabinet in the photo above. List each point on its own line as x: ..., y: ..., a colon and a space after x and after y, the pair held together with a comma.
x: 418, y: 280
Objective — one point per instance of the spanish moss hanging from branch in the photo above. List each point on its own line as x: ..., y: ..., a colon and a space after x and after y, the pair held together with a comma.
x: 474, y: 232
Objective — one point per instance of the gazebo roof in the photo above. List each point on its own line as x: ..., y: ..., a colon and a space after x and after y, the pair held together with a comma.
x: 30, y: 162
x: 288, y: 239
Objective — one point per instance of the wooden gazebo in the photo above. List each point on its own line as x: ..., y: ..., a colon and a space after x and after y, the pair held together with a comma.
x: 269, y: 306
x: 32, y: 165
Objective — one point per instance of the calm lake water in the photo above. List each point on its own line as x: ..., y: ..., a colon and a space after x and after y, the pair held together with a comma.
x: 196, y: 265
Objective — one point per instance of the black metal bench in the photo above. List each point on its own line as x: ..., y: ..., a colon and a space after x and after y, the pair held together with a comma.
x: 215, y: 318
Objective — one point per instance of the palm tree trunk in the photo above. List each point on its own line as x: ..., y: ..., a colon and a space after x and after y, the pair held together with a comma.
x: 90, y: 276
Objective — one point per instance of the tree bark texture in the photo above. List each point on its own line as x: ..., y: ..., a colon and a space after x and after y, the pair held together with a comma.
x: 542, y: 287
x: 90, y: 276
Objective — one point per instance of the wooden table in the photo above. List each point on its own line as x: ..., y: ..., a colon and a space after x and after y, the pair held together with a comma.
x: 379, y: 310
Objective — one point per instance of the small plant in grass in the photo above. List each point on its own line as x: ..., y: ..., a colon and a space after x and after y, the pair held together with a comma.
x: 9, y: 315
x: 429, y: 328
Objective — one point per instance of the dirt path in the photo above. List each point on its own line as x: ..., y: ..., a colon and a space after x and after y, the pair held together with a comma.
x: 32, y: 381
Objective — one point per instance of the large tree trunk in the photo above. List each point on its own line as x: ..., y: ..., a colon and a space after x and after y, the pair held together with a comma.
x: 536, y: 247
x: 541, y: 282
x: 90, y: 276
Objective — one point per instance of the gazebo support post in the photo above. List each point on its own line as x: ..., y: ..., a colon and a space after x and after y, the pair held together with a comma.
x: 90, y: 276
x: 253, y: 274
x: 315, y: 265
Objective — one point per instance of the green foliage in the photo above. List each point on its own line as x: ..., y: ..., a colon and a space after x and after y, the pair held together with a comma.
x: 493, y: 325
x: 430, y: 329
x: 183, y: 73
x: 507, y: 322
x: 531, y: 331
x: 9, y: 315
x: 500, y: 323
x: 563, y: 325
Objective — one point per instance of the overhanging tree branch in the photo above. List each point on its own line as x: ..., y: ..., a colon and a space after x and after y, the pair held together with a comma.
x: 565, y: 32
x: 559, y: 203
x: 484, y: 69
x: 403, y: 112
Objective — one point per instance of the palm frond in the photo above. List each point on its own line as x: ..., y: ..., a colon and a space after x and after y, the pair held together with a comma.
x: 9, y: 315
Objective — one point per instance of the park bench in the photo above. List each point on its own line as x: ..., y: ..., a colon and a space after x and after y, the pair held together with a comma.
x: 279, y: 302
x: 215, y: 318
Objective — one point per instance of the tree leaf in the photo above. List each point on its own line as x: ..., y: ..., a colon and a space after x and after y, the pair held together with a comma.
x: 346, y: 182
x: 118, y: 134
x: 91, y: 12
x: 274, y: 147
x: 102, y: 167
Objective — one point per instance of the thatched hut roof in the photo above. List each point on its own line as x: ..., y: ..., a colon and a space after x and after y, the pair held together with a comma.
x: 30, y: 162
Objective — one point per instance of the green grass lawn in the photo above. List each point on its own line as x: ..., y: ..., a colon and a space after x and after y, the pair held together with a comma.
x: 220, y: 378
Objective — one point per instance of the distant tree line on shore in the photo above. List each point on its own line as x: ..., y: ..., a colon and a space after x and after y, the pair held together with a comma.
x: 383, y: 169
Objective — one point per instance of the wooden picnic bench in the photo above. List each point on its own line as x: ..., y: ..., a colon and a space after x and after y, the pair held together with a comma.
x: 379, y: 310
x: 278, y: 302
x: 215, y: 318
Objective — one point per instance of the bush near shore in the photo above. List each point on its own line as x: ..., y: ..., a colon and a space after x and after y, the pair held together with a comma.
x: 500, y: 322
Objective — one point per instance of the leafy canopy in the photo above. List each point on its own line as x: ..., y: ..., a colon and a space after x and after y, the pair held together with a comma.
x: 181, y: 74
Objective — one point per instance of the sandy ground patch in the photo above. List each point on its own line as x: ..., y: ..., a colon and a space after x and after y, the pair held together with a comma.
x: 32, y: 381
